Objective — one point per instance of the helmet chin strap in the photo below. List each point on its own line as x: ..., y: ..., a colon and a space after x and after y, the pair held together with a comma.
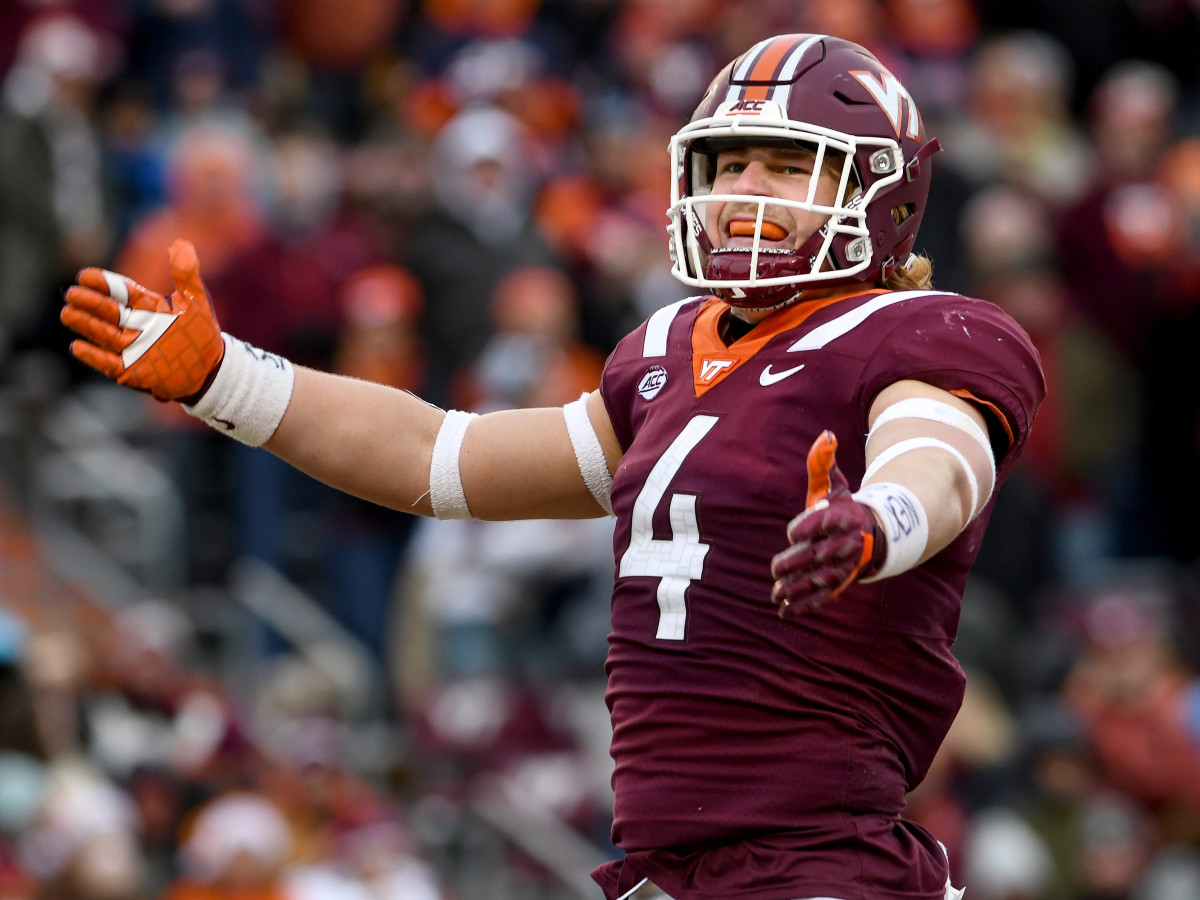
x: 798, y: 295
x: 754, y: 314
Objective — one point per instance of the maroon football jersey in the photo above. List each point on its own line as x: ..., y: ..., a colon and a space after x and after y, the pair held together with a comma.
x: 728, y: 722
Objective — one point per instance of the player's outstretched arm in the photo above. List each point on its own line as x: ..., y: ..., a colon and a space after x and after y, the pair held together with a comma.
x: 380, y: 444
x: 930, y: 470
x: 385, y: 445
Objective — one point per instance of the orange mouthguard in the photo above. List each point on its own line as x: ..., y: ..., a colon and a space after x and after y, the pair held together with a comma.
x: 744, y: 228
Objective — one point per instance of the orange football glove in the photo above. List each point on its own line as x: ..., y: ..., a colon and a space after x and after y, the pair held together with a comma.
x: 834, y: 542
x: 168, y: 346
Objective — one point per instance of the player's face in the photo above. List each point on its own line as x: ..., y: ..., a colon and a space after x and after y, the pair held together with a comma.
x: 767, y: 171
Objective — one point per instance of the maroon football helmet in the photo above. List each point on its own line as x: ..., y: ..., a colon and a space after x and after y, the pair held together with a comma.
x: 834, y: 98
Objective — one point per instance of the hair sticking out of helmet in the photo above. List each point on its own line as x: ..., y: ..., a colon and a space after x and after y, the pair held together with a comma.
x: 817, y: 107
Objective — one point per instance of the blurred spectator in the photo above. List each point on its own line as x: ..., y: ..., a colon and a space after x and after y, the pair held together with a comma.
x: 381, y: 857
x: 606, y: 221
x: 861, y: 21
x: 109, y: 18
x: 59, y: 663
x: 1131, y: 116
x: 1132, y: 692
x: 331, y: 49
x: 929, y: 47
x: 224, y: 39
x: 53, y: 211
x: 214, y: 181
x: 481, y: 229
x: 1115, y: 236
x: 85, y: 845
x: 661, y: 52
x: 376, y: 863
x: 135, y: 148
x: 307, y: 778
x: 150, y: 709
x: 1016, y: 125
x: 346, y: 838
x: 1062, y: 783
x: 515, y: 76
x: 333, y: 35
x: 1006, y: 859
x: 281, y: 286
x: 297, y: 689
x: 535, y: 357
x: 379, y: 339
x: 1115, y: 843
x: 284, y: 290
x: 235, y: 849
x: 1117, y: 243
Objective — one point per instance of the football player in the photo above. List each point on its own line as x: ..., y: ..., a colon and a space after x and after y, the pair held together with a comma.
x: 801, y: 460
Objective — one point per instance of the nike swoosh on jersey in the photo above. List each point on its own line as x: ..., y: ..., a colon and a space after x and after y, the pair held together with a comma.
x: 767, y: 377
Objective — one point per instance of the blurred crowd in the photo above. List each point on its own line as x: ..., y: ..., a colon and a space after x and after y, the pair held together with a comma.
x: 465, y: 198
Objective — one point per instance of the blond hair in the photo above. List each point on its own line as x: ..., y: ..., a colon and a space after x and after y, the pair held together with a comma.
x: 914, y: 274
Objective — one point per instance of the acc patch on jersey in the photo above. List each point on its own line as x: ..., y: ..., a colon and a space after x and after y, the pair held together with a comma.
x: 652, y: 382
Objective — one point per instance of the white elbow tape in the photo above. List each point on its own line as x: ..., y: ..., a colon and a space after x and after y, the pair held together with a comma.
x: 446, y: 494
x: 905, y: 525
x: 250, y: 394
x: 902, y: 447
x: 588, y: 453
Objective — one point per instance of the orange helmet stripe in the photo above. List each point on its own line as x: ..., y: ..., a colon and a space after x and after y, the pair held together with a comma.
x: 765, y: 72
x: 766, y: 67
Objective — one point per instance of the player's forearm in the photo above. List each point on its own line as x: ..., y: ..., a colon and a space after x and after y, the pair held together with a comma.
x: 365, y: 439
x: 934, y: 445
x: 378, y: 443
x: 939, y: 484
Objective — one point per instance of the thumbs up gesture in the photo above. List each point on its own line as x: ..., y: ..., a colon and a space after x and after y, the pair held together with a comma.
x: 834, y: 542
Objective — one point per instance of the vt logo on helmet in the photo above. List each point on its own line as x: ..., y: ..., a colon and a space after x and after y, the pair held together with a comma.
x: 805, y: 165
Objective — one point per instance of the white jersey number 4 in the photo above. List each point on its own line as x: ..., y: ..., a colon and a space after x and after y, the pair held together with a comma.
x: 679, y: 561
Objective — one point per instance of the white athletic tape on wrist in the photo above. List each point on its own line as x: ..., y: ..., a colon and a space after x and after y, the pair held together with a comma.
x: 905, y: 525
x: 902, y: 447
x: 250, y: 394
x: 588, y: 453
x: 446, y: 494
